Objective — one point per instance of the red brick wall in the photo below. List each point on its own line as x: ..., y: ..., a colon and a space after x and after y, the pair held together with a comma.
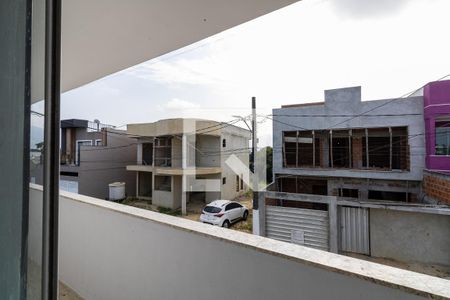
x: 437, y: 186
x: 357, y: 152
x: 321, y: 158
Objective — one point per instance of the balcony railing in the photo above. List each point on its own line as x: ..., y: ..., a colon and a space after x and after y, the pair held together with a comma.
x: 112, y: 251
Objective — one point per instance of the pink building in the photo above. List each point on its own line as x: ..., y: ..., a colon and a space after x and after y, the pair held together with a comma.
x: 437, y: 125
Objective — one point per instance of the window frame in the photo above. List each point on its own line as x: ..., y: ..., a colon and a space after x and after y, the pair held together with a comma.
x: 446, y: 135
x: 78, y: 151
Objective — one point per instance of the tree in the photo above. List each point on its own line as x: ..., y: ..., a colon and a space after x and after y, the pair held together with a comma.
x: 269, y: 160
x: 269, y: 163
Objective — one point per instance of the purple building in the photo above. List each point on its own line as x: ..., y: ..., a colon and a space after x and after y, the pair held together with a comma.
x: 437, y: 125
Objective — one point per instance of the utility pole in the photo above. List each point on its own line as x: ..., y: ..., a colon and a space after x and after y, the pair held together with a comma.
x: 253, y: 176
x: 254, y: 150
x: 257, y: 218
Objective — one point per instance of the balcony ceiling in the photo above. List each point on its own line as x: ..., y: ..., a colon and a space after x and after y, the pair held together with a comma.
x: 100, y: 37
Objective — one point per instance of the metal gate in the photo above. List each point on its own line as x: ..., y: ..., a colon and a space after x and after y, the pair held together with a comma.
x: 307, y: 227
x: 354, y: 230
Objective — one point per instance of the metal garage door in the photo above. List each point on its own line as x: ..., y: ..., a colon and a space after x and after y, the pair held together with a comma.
x: 354, y: 230
x: 308, y: 227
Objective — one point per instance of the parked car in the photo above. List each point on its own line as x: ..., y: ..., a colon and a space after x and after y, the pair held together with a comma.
x: 223, y: 213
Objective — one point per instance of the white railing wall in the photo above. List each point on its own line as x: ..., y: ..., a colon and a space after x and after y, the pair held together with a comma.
x: 111, y: 251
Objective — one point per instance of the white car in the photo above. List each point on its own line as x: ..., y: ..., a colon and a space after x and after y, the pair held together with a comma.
x: 223, y: 213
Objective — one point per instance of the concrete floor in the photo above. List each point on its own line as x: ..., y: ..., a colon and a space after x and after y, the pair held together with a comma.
x: 65, y: 293
x: 34, y: 285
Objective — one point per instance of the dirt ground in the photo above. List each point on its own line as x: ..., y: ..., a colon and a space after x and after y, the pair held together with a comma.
x: 429, y: 269
x: 140, y: 204
x: 194, y: 209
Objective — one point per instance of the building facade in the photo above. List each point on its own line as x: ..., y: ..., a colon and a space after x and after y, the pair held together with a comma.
x: 182, y: 160
x: 351, y: 177
x: 93, y: 155
x: 436, y: 97
x: 335, y: 148
x: 436, y: 184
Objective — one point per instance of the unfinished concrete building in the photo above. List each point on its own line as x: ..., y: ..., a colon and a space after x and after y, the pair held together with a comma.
x: 348, y: 179
x: 335, y: 148
x: 184, y: 160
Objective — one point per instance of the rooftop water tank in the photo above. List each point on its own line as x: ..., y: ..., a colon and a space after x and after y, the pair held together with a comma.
x: 116, y: 191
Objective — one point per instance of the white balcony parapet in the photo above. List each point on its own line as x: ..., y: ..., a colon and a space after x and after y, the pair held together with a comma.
x: 113, y: 251
x: 175, y: 171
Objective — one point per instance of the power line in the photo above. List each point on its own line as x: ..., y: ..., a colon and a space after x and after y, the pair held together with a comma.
x: 340, y: 116
x: 200, y: 131
x: 284, y: 123
x: 347, y: 156
x: 351, y: 116
x: 386, y: 103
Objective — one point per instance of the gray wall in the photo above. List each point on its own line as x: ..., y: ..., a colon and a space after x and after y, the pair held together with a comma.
x: 409, y: 236
x: 348, y: 101
x: 208, y: 154
x: 177, y: 152
x: 364, y: 185
x: 14, y: 145
x: 112, y: 251
x: 103, y: 165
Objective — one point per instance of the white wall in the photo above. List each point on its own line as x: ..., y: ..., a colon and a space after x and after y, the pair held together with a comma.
x: 177, y: 153
x: 410, y: 236
x: 208, y: 154
x: 162, y: 198
x: 111, y: 251
x: 233, y: 142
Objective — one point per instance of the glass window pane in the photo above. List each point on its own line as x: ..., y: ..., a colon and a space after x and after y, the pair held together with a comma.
x: 443, y: 136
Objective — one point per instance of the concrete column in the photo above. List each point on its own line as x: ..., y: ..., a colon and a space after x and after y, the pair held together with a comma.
x: 137, y: 184
x: 153, y: 152
x: 350, y: 148
x: 139, y: 154
x: 364, y: 191
x: 366, y: 134
x: 153, y: 185
x: 331, y: 148
x: 283, y: 148
x: 183, y: 195
x: 296, y: 151
x: 68, y: 155
x: 390, y: 148
x: 261, y: 214
x: 314, y: 148
x: 333, y: 219
x: 184, y: 162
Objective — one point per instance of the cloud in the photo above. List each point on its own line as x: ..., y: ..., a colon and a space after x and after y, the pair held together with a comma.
x: 288, y: 56
x: 368, y: 8
x: 179, y: 104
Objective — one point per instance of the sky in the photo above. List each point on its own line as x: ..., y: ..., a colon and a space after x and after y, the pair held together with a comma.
x: 289, y: 56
